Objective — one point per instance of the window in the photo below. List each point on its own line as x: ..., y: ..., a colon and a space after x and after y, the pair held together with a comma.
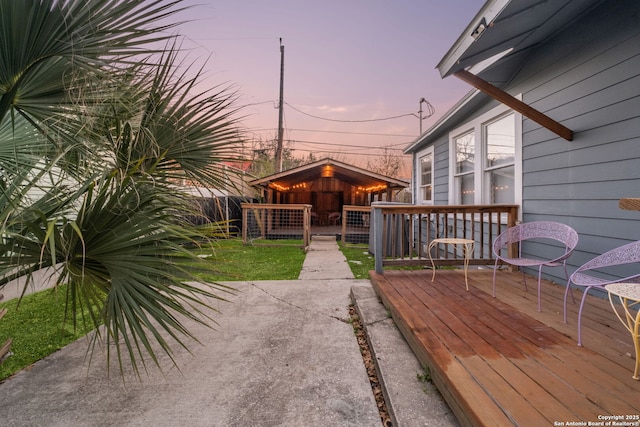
x: 485, y: 157
x: 465, y: 166
x: 500, y: 152
x: 426, y: 178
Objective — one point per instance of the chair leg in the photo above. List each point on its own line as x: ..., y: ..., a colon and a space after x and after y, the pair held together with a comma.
x: 539, y: 286
x: 566, y: 275
x: 584, y: 297
x: 566, y: 292
x: 495, y: 267
x: 524, y: 279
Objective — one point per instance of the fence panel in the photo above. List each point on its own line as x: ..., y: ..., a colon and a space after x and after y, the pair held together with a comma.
x: 276, y: 222
x: 356, y: 225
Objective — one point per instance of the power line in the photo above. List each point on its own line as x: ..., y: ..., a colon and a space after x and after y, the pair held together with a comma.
x: 346, y: 153
x: 354, y: 133
x: 368, y: 147
x: 350, y: 121
x: 388, y: 135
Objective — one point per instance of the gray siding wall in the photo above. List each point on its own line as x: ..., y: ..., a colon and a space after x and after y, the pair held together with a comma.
x: 441, y: 171
x: 588, y: 79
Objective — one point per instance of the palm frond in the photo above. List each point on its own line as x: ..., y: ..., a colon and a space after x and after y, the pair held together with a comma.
x: 96, y: 131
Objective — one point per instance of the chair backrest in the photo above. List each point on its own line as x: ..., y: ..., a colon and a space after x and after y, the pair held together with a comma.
x: 625, y: 254
x: 335, y: 215
x: 537, y: 230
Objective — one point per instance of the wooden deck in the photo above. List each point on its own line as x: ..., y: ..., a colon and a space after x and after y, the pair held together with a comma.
x: 500, y: 362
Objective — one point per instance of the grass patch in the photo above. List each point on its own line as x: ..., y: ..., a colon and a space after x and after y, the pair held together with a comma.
x: 359, y: 259
x: 233, y: 261
x: 37, y: 327
x: 424, y: 376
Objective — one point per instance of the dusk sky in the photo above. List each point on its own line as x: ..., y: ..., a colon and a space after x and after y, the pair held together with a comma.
x: 347, y: 62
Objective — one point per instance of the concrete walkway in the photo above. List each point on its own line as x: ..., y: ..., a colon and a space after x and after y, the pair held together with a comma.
x: 283, y: 354
x: 324, y: 261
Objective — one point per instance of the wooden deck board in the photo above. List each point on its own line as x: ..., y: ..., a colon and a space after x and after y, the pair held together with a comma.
x: 526, y: 363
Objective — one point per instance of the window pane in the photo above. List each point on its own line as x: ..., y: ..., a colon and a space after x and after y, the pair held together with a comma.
x: 465, y: 152
x: 502, y: 185
x: 426, y: 176
x: 426, y: 193
x: 501, y: 146
x: 425, y: 170
x: 466, y: 189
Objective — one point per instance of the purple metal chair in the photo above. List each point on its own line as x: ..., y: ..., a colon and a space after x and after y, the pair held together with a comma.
x: 626, y: 254
x: 540, y: 230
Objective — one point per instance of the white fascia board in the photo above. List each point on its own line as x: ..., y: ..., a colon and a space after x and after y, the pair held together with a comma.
x: 489, y: 12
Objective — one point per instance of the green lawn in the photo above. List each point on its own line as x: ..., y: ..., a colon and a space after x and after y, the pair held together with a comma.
x: 359, y: 259
x: 38, y: 328
x: 272, y: 260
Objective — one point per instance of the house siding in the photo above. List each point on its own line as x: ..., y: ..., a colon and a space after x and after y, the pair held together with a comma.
x: 588, y: 79
x: 441, y: 171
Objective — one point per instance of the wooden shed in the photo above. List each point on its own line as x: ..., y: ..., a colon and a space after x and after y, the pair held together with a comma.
x: 328, y: 185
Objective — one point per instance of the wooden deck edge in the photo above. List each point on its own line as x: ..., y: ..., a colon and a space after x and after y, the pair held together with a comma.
x: 458, y: 388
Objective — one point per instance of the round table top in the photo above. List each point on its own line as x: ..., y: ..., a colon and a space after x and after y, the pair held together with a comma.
x: 453, y: 240
x: 625, y: 290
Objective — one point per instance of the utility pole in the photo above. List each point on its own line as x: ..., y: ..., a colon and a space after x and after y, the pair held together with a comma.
x: 280, y: 112
x: 420, y: 113
x: 430, y: 111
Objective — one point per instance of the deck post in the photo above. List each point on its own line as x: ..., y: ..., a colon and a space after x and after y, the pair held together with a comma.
x: 376, y: 222
x: 244, y: 224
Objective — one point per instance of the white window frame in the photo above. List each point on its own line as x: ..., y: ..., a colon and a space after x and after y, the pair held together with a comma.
x: 477, y: 126
x: 420, y: 187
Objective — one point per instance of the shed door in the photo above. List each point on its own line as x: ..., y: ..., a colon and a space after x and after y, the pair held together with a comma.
x: 327, y: 202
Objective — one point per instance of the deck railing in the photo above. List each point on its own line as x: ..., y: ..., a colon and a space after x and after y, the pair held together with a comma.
x: 402, y: 233
x: 275, y: 222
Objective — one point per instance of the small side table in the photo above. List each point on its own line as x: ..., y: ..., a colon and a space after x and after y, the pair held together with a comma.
x: 468, y: 249
x: 629, y: 296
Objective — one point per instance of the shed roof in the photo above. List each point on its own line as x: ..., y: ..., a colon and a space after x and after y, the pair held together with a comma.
x: 342, y: 171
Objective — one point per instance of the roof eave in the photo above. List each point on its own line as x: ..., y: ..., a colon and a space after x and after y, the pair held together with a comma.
x: 488, y: 13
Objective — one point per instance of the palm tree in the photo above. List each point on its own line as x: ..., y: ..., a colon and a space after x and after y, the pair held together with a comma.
x: 97, y: 129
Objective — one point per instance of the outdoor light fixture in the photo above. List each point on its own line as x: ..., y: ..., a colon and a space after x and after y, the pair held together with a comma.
x: 327, y: 172
x: 479, y: 29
